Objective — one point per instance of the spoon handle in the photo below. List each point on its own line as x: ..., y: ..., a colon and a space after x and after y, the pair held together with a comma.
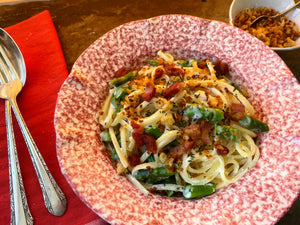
x: 20, y: 213
x: 55, y: 200
x: 287, y: 11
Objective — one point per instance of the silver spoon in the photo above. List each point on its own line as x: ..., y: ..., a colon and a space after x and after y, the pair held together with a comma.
x: 55, y: 200
x: 264, y: 17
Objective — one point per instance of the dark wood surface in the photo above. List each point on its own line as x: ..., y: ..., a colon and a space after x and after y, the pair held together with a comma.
x: 80, y: 22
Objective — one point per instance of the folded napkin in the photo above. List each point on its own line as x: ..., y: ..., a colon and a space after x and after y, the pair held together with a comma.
x: 46, y: 71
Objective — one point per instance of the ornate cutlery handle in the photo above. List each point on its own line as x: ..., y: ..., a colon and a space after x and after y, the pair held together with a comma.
x: 55, y: 200
x: 20, y: 213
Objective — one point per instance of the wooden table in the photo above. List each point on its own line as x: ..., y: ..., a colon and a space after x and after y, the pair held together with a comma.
x: 80, y: 22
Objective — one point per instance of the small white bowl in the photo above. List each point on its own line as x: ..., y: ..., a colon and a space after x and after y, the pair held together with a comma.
x: 278, y: 5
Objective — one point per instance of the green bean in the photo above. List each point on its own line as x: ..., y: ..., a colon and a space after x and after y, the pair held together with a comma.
x: 142, y: 174
x: 196, y: 191
x: 162, y: 172
x: 117, y: 97
x: 228, y: 133
x: 205, y: 113
x: 170, y: 193
x: 253, y: 124
x: 153, y: 176
x: 122, y: 80
x: 185, y: 63
x: 114, y: 154
x: 152, y: 62
x: 169, y: 180
x: 105, y: 136
x: 114, y: 102
x: 151, y: 158
x: 120, y: 93
x: 152, y: 179
x: 153, y: 131
x: 172, y: 144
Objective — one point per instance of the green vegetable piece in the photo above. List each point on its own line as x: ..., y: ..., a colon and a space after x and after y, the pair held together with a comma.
x: 153, y: 176
x: 169, y: 180
x: 228, y: 133
x: 153, y: 131
x: 151, y: 158
x: 114, y: 102
x: 170, y: 193
x: 120, y: 93
x: 253, y: 124
x: 154, y: 179
x: 118, y: 108
x: 196, y: 191
x: 152, y: 62
x: 172, y: 144
x: 122, y: 80
x: 161, y: 172
x: 118, y: 96
x: 105, y: 136
x: 185, y: 63
x: 142, y: 174
x: 204, y: 113
x: 114, y: 154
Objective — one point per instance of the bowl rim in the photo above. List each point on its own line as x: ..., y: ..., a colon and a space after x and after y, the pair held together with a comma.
x: 95, y: 43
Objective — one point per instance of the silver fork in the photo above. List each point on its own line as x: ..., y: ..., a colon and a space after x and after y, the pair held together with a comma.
x: 20, y: 213
x: 55, y: 200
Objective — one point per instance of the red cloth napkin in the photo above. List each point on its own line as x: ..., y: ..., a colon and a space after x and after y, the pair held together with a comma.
x: 46, y: 71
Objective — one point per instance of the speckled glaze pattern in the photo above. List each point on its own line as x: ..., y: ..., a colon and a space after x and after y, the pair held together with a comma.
x: 262, y: 196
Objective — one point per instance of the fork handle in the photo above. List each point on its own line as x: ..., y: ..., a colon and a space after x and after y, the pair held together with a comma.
x: 55, y: 200
x: 20, y: 213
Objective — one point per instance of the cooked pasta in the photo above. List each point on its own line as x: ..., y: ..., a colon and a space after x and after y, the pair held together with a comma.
x: 179, y: 128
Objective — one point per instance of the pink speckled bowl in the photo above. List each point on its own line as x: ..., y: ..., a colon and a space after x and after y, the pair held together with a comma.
x: 262, y: 196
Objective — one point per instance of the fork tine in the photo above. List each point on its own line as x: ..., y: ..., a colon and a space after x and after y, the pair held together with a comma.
x: 7, y: 67
x: 2, y: 71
